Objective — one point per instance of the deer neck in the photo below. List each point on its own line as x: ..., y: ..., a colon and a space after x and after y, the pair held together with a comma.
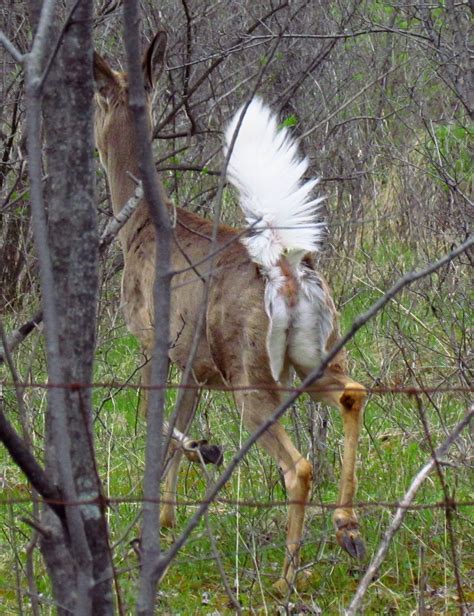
x: 122, y: 167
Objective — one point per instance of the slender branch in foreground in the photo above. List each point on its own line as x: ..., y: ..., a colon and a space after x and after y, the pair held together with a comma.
x: 214, y: 248
x: 401, y: 511
x: 161, y: 298
x: 212, y: 539
x: 163, y: 562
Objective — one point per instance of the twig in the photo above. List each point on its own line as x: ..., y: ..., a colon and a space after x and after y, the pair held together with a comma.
x: 214, y: 247
x: 18, y: 389
x: 400, y: 514
x: 30, y: 574
x: 36, y: 525
x: 117, y: 222
x: 448, y: 504
x: 343, y: 35
x: 232, y: 598
x: 16, y: 561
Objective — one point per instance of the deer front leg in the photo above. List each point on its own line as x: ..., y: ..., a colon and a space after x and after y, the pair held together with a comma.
x: 185, y: 414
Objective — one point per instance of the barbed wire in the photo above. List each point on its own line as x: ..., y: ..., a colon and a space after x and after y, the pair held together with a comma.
x: 109, y: 501
x: 376, y: 389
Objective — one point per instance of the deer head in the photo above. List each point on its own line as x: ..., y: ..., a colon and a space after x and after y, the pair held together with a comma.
x: 113, y: 125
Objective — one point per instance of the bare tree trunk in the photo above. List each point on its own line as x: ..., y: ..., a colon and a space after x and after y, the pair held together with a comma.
x: 76, y: 567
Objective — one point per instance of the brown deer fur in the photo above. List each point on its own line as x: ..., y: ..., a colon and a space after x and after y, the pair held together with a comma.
x: 232, y: 349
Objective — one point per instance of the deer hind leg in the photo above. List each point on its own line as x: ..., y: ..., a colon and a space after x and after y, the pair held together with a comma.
x: 349, y: 396
x: 184, y: 417
x: 297, y: 472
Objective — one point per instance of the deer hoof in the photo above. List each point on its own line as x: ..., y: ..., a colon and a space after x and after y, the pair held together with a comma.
x: 212, y: 454
x: 350, y: 540
x: 201, y: 451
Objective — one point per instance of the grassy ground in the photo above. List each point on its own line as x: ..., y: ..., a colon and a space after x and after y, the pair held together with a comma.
x: 419, y: 340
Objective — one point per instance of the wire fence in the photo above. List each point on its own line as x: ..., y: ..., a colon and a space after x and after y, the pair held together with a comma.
x: 254, y: 504
x: 322, y: 507
x: 452, y: 508
x: 377, y: 389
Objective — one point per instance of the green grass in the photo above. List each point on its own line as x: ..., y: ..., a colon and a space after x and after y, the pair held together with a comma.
x: 415, y: 341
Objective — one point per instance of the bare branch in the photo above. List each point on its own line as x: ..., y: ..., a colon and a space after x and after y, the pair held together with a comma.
x: 12, y: 50
x: 18, y: 335
x: 118, y: 221
x: 343, y: 35
x: 23, y: 457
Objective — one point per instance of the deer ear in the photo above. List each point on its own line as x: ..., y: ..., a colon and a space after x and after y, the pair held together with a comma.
x: 154, y: 59
x: 105, y: 80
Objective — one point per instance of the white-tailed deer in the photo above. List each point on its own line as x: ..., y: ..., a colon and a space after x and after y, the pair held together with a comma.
x: 269, y: 311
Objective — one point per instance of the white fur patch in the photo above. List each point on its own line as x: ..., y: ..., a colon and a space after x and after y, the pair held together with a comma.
x: 266, y: 168
x: 311, y: 325
x: 301, y: 331
x: 279, y: 317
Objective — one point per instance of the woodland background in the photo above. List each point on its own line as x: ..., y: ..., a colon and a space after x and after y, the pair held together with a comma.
x: 378, y: 93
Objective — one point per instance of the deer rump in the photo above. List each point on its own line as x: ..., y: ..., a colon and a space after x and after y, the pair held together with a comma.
x: 266, y: 169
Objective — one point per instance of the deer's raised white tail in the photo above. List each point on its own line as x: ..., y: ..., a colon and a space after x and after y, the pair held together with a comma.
x: 267, y: 169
